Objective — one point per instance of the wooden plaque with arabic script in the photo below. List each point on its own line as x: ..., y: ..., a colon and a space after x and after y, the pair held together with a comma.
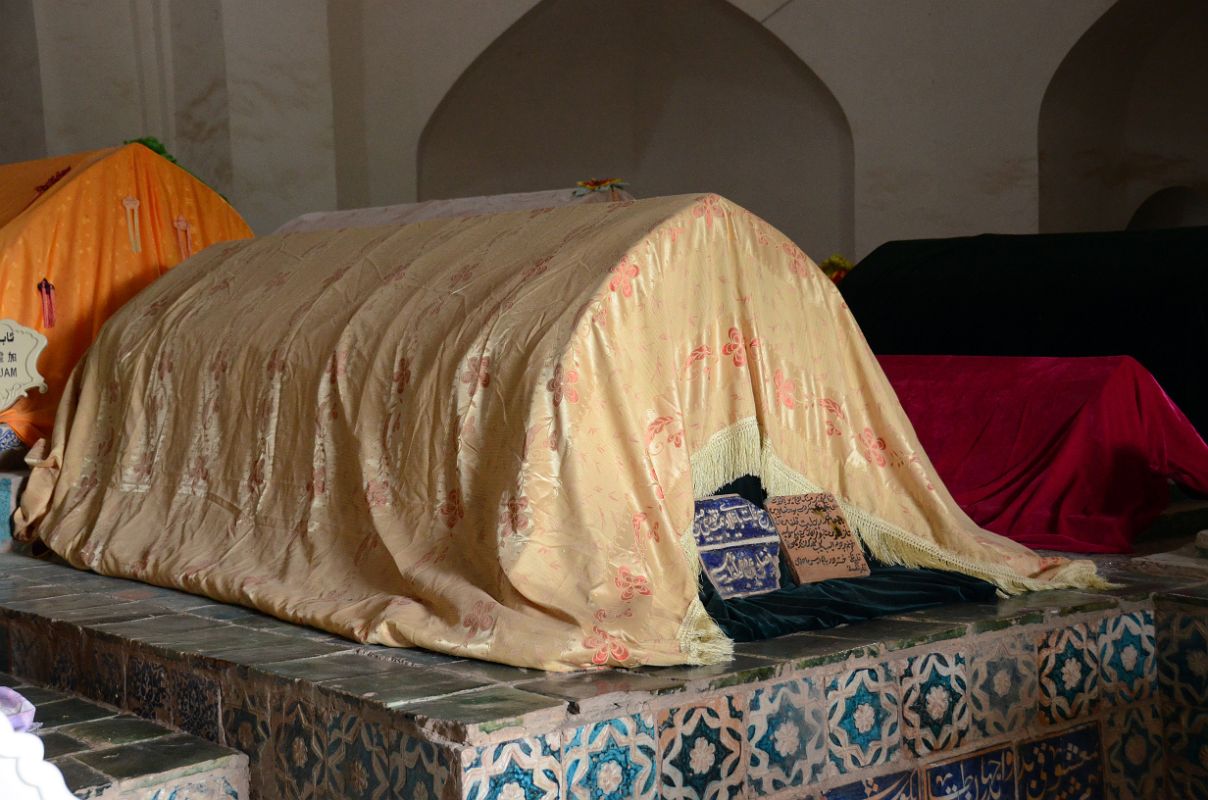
x: 19, y: 350
x: 815, y: 538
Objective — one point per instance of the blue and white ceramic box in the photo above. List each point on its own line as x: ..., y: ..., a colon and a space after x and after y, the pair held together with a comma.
x: 738, y: 546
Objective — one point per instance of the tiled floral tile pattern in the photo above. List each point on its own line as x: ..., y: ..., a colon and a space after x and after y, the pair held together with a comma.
x: 987, y: 775
x: 786, y: 737
x: 526, y: 769
x: 357, y: 754
x: 1003, y: 685
x: 1134, y: 756
x: 1068, y: 764
x: 764, y: 727
x: 1183, y: 659
x: 935, y: 706
x: 1186, y: 738
x: 863, y: 727
x: 299, y: 756
x: 612, y: 760
x: 420, y: 769
x: 1126, y: 657
x: 1068, y: 667
x: 897, y: 786
x: 701, y: 750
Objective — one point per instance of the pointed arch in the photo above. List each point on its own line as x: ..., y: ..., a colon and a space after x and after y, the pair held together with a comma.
x: 1123, y: 115
x: 677, y: 96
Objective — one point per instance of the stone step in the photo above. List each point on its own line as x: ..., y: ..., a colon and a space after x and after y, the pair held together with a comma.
x: 105, y: 754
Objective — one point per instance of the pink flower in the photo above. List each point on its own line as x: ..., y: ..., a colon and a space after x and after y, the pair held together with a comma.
x: 515, y: 516
x: 631, y: 584
x: 708, y: 207
x: 784, y: 390
x: 451, y: 510
x: 560, y: 386
x: 477, y: 373
x: 874, y: 448
x: 479, y: 619
x: 605, y: 646
x: 622, y: 273
x: 735, y: 347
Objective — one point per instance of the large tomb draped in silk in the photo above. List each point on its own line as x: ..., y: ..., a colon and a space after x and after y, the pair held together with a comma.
x: 485, y: 435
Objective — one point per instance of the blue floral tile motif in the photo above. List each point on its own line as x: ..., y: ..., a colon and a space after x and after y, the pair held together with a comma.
x: 701, y: 751
x: 357, y: 754
x: 612, y: 760
x: 1134, y: 764
x: 898, y: 786
x: 1187, y: 753
x: 1068, y: 666
x: 299, y: 766
x: 786, y: 736
x: 862, y: 719
x: 522, y: 769
x: 1002, y: 686
x: 988, y: 775
x: 1126, y: 657
x: 1183, y: 659
x: 935, y: 707
x: 1066, y: 765
x: 419, y: 769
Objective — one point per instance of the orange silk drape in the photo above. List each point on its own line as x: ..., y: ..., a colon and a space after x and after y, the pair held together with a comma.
x: 66, y: 219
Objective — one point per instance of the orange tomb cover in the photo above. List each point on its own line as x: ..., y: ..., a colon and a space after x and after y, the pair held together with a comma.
x: 98, y: 226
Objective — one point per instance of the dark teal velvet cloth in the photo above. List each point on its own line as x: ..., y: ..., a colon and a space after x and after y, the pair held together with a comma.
x: 827, y: 604
x: 816, y: 606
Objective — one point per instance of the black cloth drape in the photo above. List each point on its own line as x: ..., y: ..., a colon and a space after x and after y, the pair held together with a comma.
x: 1137, y: 293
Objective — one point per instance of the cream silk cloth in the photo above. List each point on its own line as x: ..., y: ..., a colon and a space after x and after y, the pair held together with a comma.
x: 406, y: 213
x: 484, y: 435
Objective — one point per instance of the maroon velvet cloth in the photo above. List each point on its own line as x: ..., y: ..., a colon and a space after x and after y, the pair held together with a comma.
x: 1056, y: 453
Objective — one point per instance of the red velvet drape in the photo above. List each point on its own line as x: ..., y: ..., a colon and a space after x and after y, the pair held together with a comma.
x: 1058, y: 453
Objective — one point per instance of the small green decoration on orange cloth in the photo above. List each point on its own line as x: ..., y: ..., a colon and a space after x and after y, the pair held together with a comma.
x: 836, y: 267
x: 600, y: 185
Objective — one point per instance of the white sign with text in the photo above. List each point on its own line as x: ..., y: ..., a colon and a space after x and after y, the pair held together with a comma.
x: 19, y: 350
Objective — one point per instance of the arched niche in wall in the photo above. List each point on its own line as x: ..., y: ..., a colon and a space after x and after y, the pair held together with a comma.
x: 677, y: 96
x: 1124, y: 115
x: 1172, y: 207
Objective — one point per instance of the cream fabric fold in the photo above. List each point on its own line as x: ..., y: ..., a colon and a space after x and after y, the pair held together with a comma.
x: 484, y: 435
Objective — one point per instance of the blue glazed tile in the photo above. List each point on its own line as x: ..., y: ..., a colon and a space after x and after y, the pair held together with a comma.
x: 935, y: 707
x: 522, y: 769
x: 1134, y: 765
x: 786, y: 737
x: 358, y: 752
x: 1068, y: 764
x: 420, y: 769
x: 738, y: 545
x: 898, y: 786
x: 1183, y: 659
x: 1187, y: 753
x: 1126, y: 657
x: 701, y: 751
x: 612, y: 760
x: 1068, y: 666
x: 1002, y: 686
x: 299, y: 767
x: 988, y: 775
x: 863, y: 728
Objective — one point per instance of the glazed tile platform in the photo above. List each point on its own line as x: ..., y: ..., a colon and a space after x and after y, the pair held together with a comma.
x: 1051, y: 695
